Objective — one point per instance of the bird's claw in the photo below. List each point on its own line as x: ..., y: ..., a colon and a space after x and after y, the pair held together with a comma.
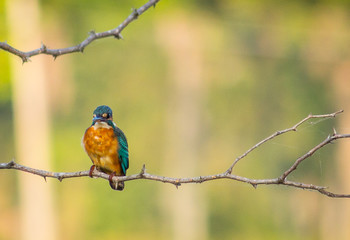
x: 111, y: 183
x: 91, y: 170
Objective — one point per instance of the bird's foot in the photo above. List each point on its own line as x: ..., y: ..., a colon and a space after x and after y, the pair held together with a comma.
x: 111, y: 183
x: 91, y: 170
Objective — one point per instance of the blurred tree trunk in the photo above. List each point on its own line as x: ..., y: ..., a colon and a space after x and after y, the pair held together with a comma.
x: 186, y: 206
x: 336, y: 216
x: 32, y: 125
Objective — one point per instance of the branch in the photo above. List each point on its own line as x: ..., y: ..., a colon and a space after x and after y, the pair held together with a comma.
x: 293, y: 128
x: 328, y: 140
x: 282, y: 180
x: 116, y: 32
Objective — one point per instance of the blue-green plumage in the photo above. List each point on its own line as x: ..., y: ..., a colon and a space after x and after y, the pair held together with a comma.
x: 107, y: 145
x: 123, y: 149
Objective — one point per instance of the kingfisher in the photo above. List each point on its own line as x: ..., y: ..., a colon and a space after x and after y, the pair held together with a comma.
x: 106, y: 146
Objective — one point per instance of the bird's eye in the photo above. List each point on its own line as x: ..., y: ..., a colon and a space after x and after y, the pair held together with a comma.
x: 94, y: 115
x: 105, y: 115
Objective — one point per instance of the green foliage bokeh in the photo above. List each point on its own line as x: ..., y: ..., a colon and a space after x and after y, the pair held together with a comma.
x: 259, y: 78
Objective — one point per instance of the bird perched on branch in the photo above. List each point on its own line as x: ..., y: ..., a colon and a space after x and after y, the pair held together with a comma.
x: 107, y: 146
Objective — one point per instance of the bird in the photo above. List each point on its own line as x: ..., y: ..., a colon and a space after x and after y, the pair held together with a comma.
x: 107, y: 146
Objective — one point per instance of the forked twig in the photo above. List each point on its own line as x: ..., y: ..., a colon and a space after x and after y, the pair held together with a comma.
x: 291, y: 129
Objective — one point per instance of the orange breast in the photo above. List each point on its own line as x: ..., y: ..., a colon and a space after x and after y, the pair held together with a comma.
x: 101, y: 145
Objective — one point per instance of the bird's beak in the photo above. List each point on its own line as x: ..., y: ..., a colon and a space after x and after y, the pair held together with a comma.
x: 98, y: 119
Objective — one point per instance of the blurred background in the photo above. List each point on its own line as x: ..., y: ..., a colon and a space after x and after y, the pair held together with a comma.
x: 193, y: 85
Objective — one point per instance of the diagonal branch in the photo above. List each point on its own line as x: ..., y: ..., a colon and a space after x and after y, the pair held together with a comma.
x: 328, y: 140
x: 282, y: 180
x: 293, y: 128
x: 116, y: 32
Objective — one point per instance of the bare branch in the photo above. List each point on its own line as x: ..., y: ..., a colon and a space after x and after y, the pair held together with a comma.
x: 293, y: 128
x: 328, y: 140
x: 282, y: 180
x: 116, y: 32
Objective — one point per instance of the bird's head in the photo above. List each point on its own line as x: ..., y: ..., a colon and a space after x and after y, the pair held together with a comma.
x: 102, y: 114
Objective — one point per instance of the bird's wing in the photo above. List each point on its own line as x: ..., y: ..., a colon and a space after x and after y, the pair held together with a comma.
x: 123, y: 151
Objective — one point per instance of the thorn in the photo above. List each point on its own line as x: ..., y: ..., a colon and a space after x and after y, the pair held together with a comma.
x: 81, y: 49
x: 12, y: 163
x: 135, y: 12
x: 92, y: 33
x: 45, y: 178
x: 143, y: 170
x: 60, y: 178
x: 254, y: 185
x: 25, y: 59
x: 200, y: 179
x: 118, y: 36
x: 177, y: 184
x: 334, y: 132
x: 154, y: 5
x: 54, y: 57
x: 43, y: 47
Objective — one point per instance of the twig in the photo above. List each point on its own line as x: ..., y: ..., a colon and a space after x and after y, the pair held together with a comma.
x: 293, y: 128
x: 116, y: 32
x: 328, y: 140
x: 282, y: 180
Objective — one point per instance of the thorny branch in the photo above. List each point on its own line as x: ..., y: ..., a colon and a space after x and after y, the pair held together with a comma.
x: 116, y: 32
x: 281, y: 180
